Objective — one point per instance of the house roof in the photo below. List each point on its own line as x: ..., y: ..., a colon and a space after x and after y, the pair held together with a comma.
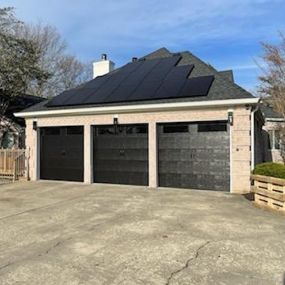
x: 20, y: 103
x: 268, y: 112
x: 155, y: 74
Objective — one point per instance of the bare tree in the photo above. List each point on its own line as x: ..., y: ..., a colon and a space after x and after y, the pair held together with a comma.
x: 19, y: 65
x: 33, y: 60
x: 272, y: 81
x: 66, y: 70
x: 73, y: 72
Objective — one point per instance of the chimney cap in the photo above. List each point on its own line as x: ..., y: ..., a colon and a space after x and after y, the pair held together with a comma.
x: 104, y: 56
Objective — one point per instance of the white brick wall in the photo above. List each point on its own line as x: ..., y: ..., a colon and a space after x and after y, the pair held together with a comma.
x: 240, y: 138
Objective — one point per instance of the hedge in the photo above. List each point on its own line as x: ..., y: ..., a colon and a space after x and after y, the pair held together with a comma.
x: 270, y: 169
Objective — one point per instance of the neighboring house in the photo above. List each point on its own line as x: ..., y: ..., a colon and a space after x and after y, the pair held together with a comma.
x: 12, y: 133
x: 167, y: 119
x: 273, y: 123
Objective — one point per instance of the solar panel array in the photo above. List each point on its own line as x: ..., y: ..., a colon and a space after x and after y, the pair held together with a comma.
x: 159, y: 78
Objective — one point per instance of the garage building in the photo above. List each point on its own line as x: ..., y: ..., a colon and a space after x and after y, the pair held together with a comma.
x: 164, y: 120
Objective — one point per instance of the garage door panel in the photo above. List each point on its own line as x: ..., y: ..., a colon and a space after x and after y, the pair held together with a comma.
x: 108, y: 143
x: 136, y: 142
x: 61, y: 155
x: 105, y: 164
x: 112, y: 155
x: 122, y: 177
x: 107, y: 154
x: 112, y: 166
x: 121, y: 157
x: 203, y: 154
x: 196, y: 156
x: 170, y: 155
x: 60, y: 173
x: 135, y: 154
x: 169, y: 179
x: 219, y: 155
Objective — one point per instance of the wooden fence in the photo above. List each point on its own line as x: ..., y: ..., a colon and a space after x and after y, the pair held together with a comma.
x: 269, y: 192
x: 13, y: 164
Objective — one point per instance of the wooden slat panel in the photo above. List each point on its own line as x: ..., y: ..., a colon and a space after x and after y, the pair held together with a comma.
x: 269, y: 192
x: 273, y: 195
x: 12, y: 163
x: 268, y: 179
x: 278, y: 188
x: 269, y: 202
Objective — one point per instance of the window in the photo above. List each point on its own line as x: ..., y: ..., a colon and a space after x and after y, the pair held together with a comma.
x: 274, y: 139
x: 106, y: 131
x: 137, y: 130
x: 212, y: 127
x: 74, y: 130
x: 277, y: 140
x: 51, y: 131
x: 177, y: 128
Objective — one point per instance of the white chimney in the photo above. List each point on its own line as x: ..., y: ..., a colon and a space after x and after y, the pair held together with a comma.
x: 103, y: 66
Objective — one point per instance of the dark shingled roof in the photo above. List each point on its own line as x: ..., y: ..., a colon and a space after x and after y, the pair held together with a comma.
x: 19, y: 103
x: 222, y: 87
x: 267, y: 110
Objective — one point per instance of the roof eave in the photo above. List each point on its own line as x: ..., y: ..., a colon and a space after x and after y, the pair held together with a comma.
x: 139, y: 108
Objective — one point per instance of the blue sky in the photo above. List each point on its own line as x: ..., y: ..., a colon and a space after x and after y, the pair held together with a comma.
x: 225, y: 33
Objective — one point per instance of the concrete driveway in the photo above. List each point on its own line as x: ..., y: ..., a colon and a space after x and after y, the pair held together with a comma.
x: 63, y: 233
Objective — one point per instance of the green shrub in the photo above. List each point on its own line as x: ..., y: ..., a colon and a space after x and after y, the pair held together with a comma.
x: 270, y: 169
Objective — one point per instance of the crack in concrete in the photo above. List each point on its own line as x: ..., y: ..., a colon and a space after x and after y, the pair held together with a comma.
x: 54, y: 246
x: 187, y: 263
x: 47, y: 251
x: 6, y: 265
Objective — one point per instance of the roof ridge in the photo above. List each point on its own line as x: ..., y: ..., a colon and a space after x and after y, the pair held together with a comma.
x: 161, y: 52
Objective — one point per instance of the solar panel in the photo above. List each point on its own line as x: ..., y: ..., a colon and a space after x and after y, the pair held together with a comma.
x: 77, y: 95
x: 159, y: 78
x: 197, y: 86
x: 101, y: 95
x: 129, y: 85
x: 62, y: 98
x: 173, y: 82
x: 150, y: 84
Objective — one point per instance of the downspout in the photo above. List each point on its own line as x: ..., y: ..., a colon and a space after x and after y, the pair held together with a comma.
x: 253, y: 136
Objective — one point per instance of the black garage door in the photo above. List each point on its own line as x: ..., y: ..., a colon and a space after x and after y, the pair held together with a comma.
x: 121, y: 154
x: 61, y: 156
x: 194, y: 155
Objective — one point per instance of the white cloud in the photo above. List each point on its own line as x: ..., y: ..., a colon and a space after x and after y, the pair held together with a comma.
x: 125, y: 28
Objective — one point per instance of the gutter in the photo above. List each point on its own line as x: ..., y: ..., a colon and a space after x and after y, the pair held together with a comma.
x: 253, y: 137
x: 138, y: 108
x: 275, y: 120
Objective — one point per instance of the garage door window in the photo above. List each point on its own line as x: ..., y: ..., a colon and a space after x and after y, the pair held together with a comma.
x: 51, y: 131
x: 212, y: 127
x: 177, y: 128
x: 74, y: 131
x: 106, y: 131
x: 137, y: 130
